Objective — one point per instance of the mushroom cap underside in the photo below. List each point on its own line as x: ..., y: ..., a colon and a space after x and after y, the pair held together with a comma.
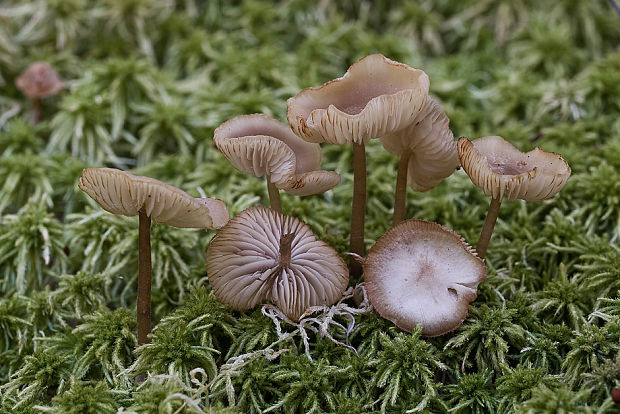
x: 373, y: 98
x: 500, y: 169
x: 431, y: 146
x: 120, y: 192
x: 245, y: 264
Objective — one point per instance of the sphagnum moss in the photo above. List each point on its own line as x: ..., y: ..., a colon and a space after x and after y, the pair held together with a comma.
x: 546, y: 77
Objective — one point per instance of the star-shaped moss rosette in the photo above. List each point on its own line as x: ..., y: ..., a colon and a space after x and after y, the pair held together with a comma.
x: 422, y: 273
x: 260, y: 145
x: 120, y: 192
x: 262, y: 255
x: 375, y: 97
x: 427, y: 153
x: 500, y: 169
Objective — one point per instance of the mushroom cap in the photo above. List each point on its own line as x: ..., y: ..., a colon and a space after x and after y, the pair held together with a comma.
x: 422, y: 273
x: 39, y: 80
x: 432, y: 146
x: 120, y: 192
x: 258, y: 144
x: 245, y: 264
x: 499, y: 168
x: 374, y: 97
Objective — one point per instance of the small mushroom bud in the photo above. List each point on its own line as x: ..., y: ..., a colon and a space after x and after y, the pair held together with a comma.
x: 38, y: 81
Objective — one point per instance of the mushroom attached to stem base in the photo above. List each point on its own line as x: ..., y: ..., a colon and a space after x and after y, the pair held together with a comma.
x: 122, y: 193
x: 501, y: 170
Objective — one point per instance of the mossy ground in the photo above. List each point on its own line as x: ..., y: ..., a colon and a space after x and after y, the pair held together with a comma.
x: 147, y: 83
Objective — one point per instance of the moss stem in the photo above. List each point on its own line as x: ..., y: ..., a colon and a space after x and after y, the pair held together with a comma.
x: 274, y: 196
x: 358, y: 207
x: 144, y: 278
x: 400, y: 195
x: 487, y: 229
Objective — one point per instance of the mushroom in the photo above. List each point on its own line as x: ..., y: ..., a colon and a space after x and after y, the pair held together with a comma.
x: 38, y: 81
x: 260, y: 145
x: 375, y: 97
x: 263, y: 255
x: 122, y: 193
x: 422, y: 273
x: 427, y: 154
x: 500, y: 169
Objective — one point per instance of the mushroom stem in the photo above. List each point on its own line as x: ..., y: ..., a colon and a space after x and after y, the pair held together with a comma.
x: 358, y: 208
x: 487, y: 229
x: 144, y: 278
x: 400, y: 195
x: 274, y: 196
x: 36, y: 110
x: 286, y: 242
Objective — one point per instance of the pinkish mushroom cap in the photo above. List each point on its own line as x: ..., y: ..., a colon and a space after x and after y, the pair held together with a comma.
x: 421, y: 273
x: 260, y: 145
x: 262, y: 255
x: 431, y: 144
x: 499, y: 168
x: 120, y: 192
x: 39, y: 80
x: 375, y: 97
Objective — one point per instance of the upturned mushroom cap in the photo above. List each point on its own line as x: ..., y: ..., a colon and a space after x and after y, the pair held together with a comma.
x: 499, y: 168
x: 432, y: 146
x: 262, y: 255
x: 39, y: 80
x: 421, y: 273
x: 374, y: 97
x: 120, y: 192
x: 258, y: 144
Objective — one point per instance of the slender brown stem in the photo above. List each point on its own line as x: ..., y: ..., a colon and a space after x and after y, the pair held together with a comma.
x: 36, y: 110
x: 274, y: 196
x: 144, y: 278
x: 286, y: 242
x: 400, y: 195
x: 358, y: 208
x: 487, y: 229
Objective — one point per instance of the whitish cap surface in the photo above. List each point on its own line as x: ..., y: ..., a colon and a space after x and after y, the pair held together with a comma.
x: 374, y: 97
x: 39, y: 80
x: 500, y: 169
x: 421, y: 273
x: 260, y: 145
x: 245, y: 265
x: 120, y: 192
x: 431, y: 145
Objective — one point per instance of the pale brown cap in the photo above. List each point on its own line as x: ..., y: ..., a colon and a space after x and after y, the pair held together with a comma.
x: 258, y: 144
x: 431, y: 144
x: 500, y: 169
x: 422, y: 273
x: 120, y: 192
x: 375, y: 96
x: 262, y: 255
x: 39, y: 80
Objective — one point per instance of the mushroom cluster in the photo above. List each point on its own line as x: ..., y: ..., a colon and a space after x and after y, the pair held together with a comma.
x: 418, y: 273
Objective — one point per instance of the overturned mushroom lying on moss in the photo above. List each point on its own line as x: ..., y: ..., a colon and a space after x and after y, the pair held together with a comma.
x: 123, y: 193
x: 262, y: 255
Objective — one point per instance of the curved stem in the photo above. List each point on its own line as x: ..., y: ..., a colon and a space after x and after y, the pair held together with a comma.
x: 358, y: 207
x: 400, y: 195
x: 274, y: 196
x: 487, y: 229
x: 144, y: 278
